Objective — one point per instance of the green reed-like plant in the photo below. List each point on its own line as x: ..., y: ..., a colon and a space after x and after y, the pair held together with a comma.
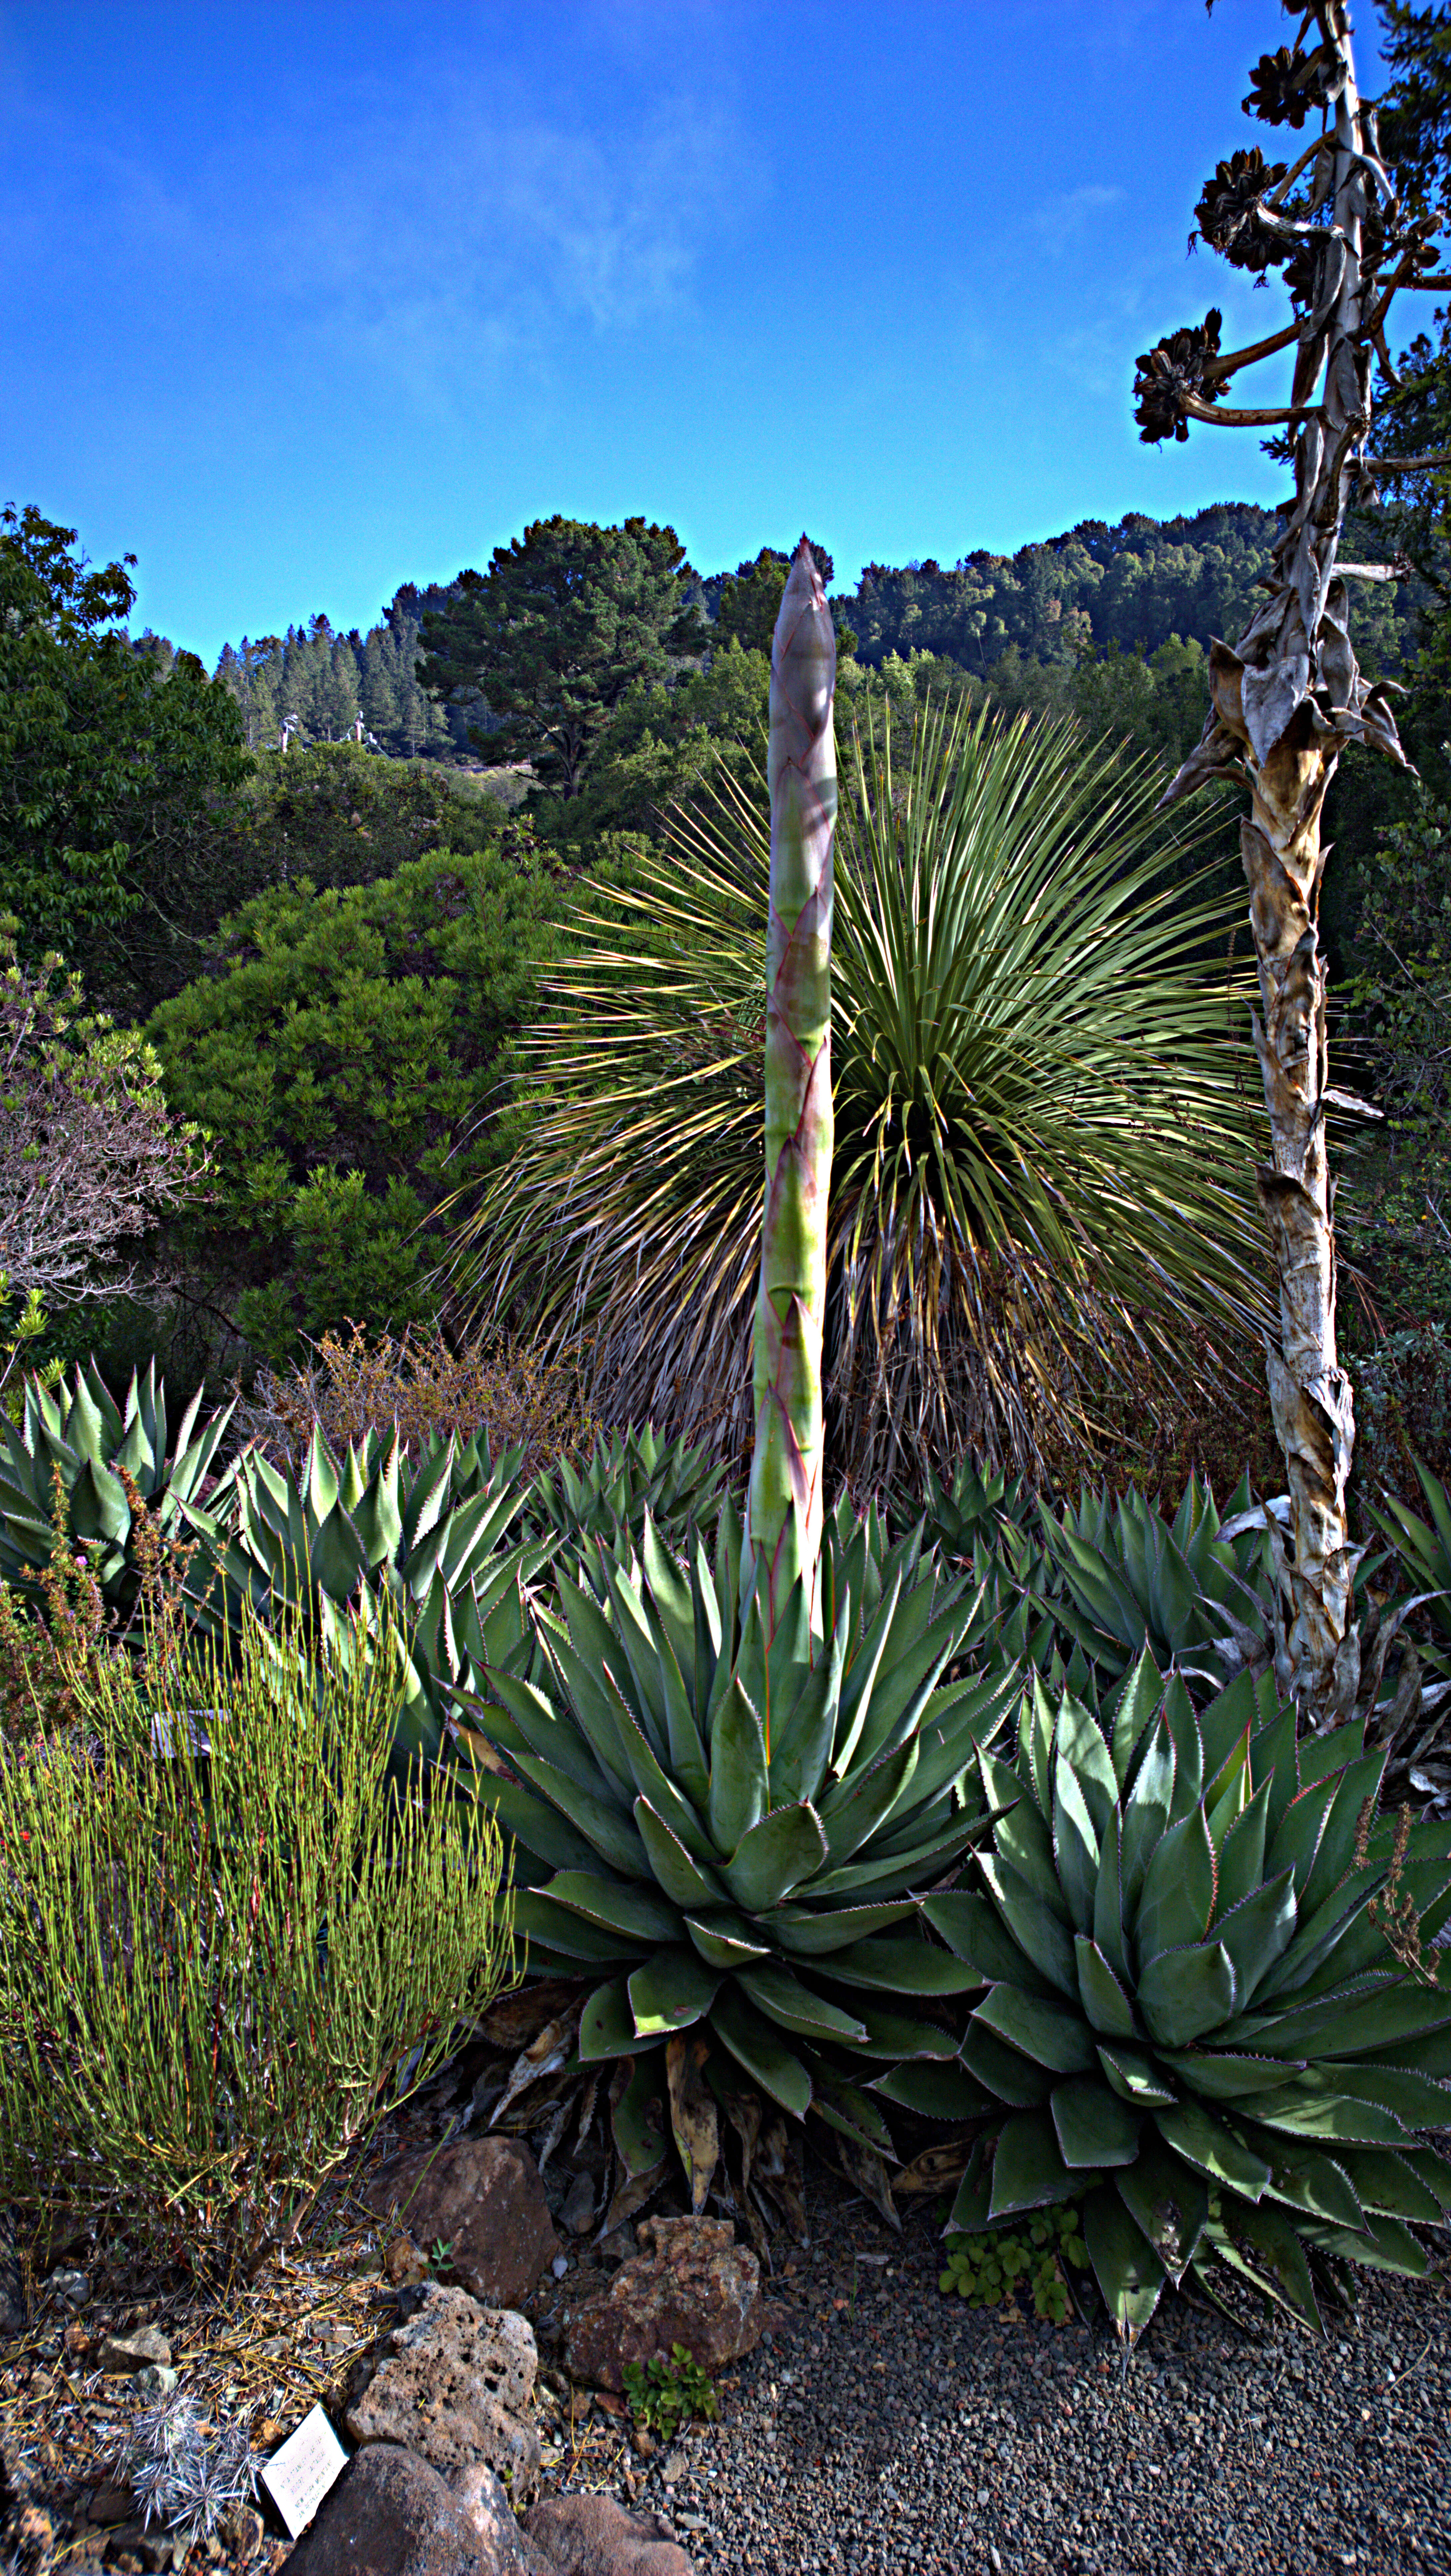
x: 230, y: 1939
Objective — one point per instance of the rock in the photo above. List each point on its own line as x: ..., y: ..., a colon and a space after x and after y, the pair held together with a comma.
x: 154, y: 2379
x: 478, y: 2494
x: 403, y: 2262
x: 241, y: 2530
x: 559, y: 2266
x: 390, y: 2514
x: 131, y: 2544
x: 456, y: 2386
x: 578, y: 2210
x: 693, y: 2285
x: 111, y: 2503
x: 591, y: 2535
x: 130, y: 2352
x: 484, y: 2197
x: 33, y: 2536
x: 72, y: 2288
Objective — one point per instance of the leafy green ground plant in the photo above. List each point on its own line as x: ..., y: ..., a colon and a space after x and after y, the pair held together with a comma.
x: 230, y: 1941
x: 985, y: 2270
x: 665, y: 2394
x: 1206, y: 2015
x: 1422, y: 1550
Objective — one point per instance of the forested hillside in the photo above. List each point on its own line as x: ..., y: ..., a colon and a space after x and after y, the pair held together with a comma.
x: 1128, y: 589
x: 319, y: 682
x: 1122, y: 590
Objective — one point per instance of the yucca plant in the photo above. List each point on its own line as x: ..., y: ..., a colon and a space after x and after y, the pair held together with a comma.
x: 1040, y: 1143
x: 1210, y: 2016
x: 80, y: 1435
x: 731, y: 1834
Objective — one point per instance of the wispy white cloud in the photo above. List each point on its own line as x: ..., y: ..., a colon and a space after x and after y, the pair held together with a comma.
x: 1063, y: 217
x: 444, y: 238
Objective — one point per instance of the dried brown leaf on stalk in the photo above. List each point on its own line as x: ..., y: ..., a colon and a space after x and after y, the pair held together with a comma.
x: 693, y: 2118
x: 1285, y: 86
x: 1228, y: 217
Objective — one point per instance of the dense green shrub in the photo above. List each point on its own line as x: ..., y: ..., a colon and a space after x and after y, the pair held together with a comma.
x: 340, y: 815
x: 227, y: 1948
x: 347, y: 1053
x: 116, y: 764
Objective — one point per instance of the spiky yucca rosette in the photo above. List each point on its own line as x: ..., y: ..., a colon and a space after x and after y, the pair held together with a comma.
x: 784, y: 1520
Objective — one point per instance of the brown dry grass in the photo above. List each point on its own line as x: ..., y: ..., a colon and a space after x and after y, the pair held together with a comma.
x: 419, y: 1383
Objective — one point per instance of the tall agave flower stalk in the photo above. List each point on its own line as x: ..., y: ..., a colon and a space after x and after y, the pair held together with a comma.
x: 1286, y: 699
x: 785, y: 1508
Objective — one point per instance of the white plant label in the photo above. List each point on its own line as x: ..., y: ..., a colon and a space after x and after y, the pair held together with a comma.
x: 300, y: 2473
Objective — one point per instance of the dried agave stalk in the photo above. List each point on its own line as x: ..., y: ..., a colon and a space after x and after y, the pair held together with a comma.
x: 1286, y: 699
x: 785, y: 1507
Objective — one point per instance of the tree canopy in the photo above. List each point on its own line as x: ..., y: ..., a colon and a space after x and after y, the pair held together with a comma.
x: 112, y: 757
x: 566, y: 619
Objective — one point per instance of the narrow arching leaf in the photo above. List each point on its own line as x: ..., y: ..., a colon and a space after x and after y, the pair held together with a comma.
x: 784, y: 1999
x: 1133, y: 2075
x: 607, y: 2025
x: 1003, y: 2071
x: 1028, y: 2167
x: 757, y: 2045
x: 1126, y: 2267
x: 739, y: 1791
x: 1177, y: 1897
x: 726, y: 1940
x: 631, y: 1910
x: 1183, y: 1993
x: 1194, y: 2133
x: 1104, y: 2000
x: 1168, y: 2200
x: 812, y: 1935
x: 1146, y: 1814
x: 1048, y: 2032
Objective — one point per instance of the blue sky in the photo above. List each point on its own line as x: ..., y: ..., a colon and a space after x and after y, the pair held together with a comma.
x: 300, y: 303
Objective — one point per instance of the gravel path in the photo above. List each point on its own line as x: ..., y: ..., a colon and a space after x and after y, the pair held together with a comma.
x: 897, y: 2430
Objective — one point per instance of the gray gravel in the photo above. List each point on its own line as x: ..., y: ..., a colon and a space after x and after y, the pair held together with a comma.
x: 903, y: 2431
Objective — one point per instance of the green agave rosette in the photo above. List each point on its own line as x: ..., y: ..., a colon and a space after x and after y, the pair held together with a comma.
x: 433, y: 1534
x: 729, y: 1836
x: 1193, y: 2021
x: 81, y: 1435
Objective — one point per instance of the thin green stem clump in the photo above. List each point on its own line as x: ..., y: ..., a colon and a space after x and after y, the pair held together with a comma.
x: 232, y: 1938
